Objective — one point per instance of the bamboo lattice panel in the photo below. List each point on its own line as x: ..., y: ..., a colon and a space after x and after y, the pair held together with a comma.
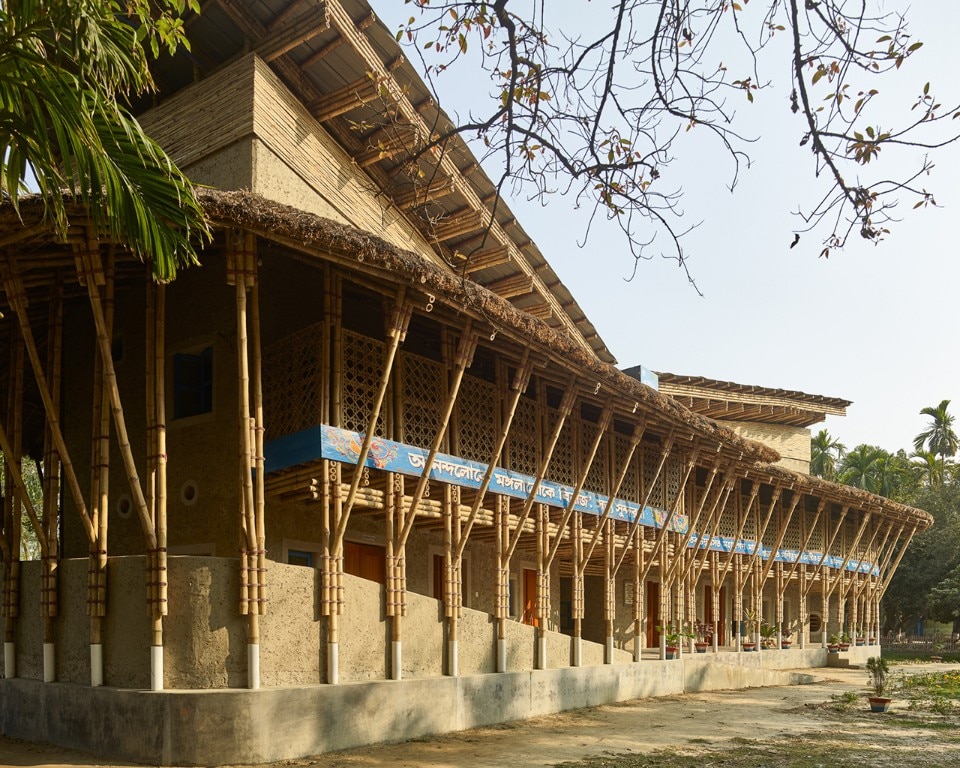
x: 362, y: 364
x: 630, y: 489
x: 523, y: 438
x: 728, y: 521
x: 651, y: 460
x: 816, y: 538
x: 422, y: 400
x: 793, y: 538
x: 478, y: 422
x: 597, y: 477
x: 750, y: 525
x: 562, y: 467
x: 673, y: 475
x: 293, y: 371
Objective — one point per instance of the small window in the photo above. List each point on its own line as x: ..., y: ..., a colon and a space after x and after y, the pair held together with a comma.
x: 300, y: 557
x: 193, y: 383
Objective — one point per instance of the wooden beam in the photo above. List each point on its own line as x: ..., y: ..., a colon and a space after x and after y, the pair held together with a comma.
x: 458, y: 224
x: 344, y: 99
x: 422, y: 194
x: 490, y: 257
x: 515, y: 285
x: 286, y: 37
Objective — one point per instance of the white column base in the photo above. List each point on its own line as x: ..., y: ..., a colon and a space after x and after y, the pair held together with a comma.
x: 96, y: 665
x: 9, y: 660
x: 333, y: 663
x: 396, y: 660
x: 608, y: 650
x: 453, y: 661
x: 541, y: 653
x: 577, y: 651
x: 501, y: 654
x: 637, y: 649
x: 49, y: 662
x: 156, y: 667
x: 253, y: 666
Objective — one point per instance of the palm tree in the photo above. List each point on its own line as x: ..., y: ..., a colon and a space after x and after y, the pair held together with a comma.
x: 825, y: 451
x: 939, y: 438
x: 928, y: 465
x: 862, y: 466
x: 66, y: 66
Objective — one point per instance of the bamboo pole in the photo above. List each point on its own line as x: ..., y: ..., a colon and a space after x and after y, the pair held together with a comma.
x: 806, y: 539
x: 852, y: 547
x: 463, y: 360
x: 563, y: 412
x: 398, y: 332
x: 658, y: 543
x: 17, y: 300
x: 51, y: 474
x: 604, y: 424
x: 258, y: 423
x: 695, y: 521
x: 90, y: 260
x: 521, y: 379
x: 889, y: 576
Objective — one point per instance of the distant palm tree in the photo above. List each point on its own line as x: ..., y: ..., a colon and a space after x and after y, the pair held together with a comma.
x: 939, y: 438
x: 825, y: 451
x: 862, y: 467
x: 928, y: 463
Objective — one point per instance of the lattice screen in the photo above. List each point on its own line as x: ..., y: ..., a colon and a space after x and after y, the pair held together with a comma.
x: 630, y: 490
x: 816, y: 538
x: 651, y: 460
x: 523, y: 438
x: 477, y: 411
x: 422, y: 399
x: 673, y: 474
x: 293, y: 372
x: 562, y: 468
x: 597, y: 479
x: 793, y: 538
x: 750, y: 526
x: 728, y: 520
x: 362, y: 363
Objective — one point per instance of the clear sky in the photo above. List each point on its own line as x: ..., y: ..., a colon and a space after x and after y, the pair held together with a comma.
x: 871, y: 324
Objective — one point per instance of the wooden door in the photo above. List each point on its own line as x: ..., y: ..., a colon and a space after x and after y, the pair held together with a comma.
x: 653, y: 614
x: 530, y: 597
x: 367, y: 561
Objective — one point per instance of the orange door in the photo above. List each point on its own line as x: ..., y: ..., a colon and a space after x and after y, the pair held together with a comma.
x: 367, y: 561
x: 530, y: 597
x: 653, y: 614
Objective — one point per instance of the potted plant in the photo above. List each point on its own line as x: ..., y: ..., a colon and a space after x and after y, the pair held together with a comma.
x: 702, y: 636
x: 834, y: 645
x: 768, y: 636
x: 673, y: 636
x: 750, y: 621
x: 878, y: 675
x: 845, y: 642
x: 860, y: 639
x: 786, y: 636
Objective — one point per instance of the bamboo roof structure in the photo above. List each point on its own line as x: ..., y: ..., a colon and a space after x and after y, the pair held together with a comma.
x: 348, y: 69
x: 730, y: 401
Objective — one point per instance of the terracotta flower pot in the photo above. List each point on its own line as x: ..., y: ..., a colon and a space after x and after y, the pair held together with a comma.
x: 701, y: 647
x: 879, y: 704
x: 833, y: 648
x: 749, y: 646
x: 672, y: 652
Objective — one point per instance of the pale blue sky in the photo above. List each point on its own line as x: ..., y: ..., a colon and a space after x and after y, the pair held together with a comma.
x: 871, y: 324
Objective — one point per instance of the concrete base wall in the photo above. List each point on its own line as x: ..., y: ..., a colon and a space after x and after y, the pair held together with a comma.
x: 218, y: 727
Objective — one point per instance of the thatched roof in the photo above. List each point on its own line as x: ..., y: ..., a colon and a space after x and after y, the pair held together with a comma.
x: 316, y: 237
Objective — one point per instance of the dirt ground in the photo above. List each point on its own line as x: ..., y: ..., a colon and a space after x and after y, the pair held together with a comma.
x: 690, y: 722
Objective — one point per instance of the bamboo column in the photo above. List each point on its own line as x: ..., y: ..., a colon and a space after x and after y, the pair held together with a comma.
x: 718, y: 629
x: 543, y: 584
x: 802, y: 607
x: 157, y: 473
x: 453, y: 575
x: 241, y: 273
x: 502, y: 596
x: 102, y: 281
x: 11, y: 509
x: 463, y: 359
x: 609, y: 593
x: 49, y: 596
x: 577, y: 607
x: 638, y: 595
